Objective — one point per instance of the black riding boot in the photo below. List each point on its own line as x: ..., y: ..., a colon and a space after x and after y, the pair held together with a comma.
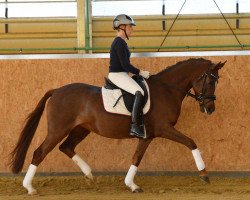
x: 137, y: 125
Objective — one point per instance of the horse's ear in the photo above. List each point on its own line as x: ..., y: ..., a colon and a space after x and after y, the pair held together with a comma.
x: 222, y: 64
x: 218, y: 65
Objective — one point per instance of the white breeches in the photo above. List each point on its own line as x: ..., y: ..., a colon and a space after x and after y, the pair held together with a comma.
x: 125, y: 82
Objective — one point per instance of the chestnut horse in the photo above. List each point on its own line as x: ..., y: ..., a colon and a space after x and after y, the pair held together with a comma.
x: 75, y: 110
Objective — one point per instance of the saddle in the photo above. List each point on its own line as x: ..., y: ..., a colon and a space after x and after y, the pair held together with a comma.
x: 127, y: 97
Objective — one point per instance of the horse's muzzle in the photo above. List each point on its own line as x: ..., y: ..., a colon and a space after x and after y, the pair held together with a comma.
x: 207, y: 110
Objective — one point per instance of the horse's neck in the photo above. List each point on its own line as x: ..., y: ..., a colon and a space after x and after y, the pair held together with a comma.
x: 179, y: 78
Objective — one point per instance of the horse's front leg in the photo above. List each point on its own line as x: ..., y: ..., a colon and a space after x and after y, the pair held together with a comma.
x: 140, y: 150
x: 172, y: 134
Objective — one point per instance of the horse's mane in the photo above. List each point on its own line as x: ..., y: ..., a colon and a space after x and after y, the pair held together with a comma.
x: 169, y: 68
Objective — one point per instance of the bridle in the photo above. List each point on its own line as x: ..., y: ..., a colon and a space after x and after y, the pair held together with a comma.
x: 202, y: 95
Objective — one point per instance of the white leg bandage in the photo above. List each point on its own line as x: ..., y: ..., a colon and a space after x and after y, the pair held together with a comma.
x: 83, y: 166
x: 198, y: 159
x: 129, y: 180
x: 27, y: 181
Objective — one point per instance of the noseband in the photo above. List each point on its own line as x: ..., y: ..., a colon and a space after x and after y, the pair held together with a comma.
x: 202, y: 95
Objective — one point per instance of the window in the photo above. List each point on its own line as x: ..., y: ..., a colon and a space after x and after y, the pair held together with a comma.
x: 2, y: 10
x: 110, y: 8
x: 154, y: 7
x: 39, y: 8
x: 68, y: 8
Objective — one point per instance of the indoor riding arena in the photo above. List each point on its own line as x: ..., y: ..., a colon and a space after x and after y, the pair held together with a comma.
x: 45, y: 45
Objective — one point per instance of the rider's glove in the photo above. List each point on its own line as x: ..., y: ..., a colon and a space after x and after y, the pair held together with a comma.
x: 144, y: 74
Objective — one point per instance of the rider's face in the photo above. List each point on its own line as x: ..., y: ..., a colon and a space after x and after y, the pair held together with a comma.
x: 129, y: 30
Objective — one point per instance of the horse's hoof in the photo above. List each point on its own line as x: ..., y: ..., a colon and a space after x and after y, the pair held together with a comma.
x: 33, y: 193
x: 89, y: 180
x: 205, y: 179
x: 89, y: 176
x: 138, y: 190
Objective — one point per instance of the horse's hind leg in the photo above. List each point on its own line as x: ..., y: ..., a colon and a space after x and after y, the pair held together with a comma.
x: 172, y: 134
x: 140, y: 150
x: 68, y: 147
x: 52, y: 139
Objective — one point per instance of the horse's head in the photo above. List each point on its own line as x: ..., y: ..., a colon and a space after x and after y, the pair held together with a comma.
x: 204, y: 88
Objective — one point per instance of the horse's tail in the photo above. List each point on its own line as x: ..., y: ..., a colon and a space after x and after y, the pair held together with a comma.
x: 19, y: 153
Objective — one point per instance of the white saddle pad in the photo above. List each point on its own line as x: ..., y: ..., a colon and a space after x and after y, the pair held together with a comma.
x: 110, y: 97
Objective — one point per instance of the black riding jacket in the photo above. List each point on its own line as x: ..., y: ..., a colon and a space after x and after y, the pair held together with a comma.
x: 120, y: 57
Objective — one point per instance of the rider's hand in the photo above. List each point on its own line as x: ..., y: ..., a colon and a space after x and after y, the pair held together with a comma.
x: 144, y: 74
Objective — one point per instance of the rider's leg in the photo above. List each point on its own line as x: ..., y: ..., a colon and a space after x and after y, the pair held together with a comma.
x: 125, y: 82
x: 137, y: 125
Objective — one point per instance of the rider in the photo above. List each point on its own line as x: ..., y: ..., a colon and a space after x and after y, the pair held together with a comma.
x: 120, y: 67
